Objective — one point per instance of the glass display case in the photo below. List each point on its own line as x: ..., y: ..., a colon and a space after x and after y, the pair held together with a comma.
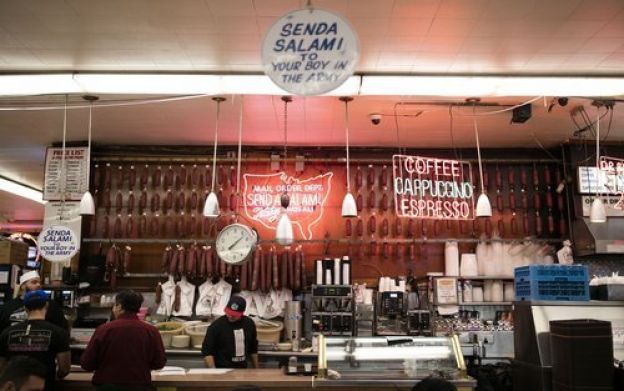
x: 397, y: 358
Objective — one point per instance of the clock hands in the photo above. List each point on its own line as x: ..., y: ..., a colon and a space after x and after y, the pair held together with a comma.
x: 235, y: 243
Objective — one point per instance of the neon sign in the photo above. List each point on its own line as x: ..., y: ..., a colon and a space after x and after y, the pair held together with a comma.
x: 262, y: 192
x: 429, y: 188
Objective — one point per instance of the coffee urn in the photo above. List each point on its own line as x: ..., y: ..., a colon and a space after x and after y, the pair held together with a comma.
x: 293, y: 323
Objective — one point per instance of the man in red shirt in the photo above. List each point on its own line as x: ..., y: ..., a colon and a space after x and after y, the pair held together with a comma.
x: 123, y: 352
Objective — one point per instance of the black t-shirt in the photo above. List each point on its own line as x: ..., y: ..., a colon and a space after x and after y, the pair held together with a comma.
x: 14, y: 312
x: 38, y: 339
x: 231, y: 343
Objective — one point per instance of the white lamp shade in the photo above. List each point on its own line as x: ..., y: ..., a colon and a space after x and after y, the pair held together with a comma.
x: 211, y: 206
x: 87, y: 206
x: 349, y: 209
x: 284, y: 235
x: 598, y: 212
x: 484, y: 208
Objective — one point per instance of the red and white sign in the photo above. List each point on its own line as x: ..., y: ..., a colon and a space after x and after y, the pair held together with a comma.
x: 430, y: 188
x: 262, y: 193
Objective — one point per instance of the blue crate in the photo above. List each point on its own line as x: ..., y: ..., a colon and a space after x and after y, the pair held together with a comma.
x: 552, y: 282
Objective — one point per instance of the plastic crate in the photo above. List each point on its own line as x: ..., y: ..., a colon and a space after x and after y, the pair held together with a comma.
x: 552, y: 282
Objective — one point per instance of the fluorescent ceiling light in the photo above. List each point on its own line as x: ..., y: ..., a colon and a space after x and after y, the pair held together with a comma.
x: 492, y: 86
x: 102, y: 83
x: 15, y: 85
x: 191, y: 84
x: 21, y: 190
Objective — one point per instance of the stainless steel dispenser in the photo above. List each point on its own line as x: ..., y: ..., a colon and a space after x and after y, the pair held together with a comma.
x: 293, y: 323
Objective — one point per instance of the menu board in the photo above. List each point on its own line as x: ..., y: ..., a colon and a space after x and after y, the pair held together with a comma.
x: 76, y: 174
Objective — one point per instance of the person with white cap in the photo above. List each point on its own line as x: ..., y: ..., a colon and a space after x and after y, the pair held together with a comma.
x: 14, y: 311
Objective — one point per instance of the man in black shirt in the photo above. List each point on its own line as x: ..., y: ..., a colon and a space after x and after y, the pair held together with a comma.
x: 38, y: 338
x: 231, y: 339
x: 14, y: 311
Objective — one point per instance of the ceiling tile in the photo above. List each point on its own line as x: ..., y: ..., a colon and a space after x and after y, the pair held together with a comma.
x: 553, y: 9
x: 239, y: 25
x: 507, y: 9
x: 231, y: 8
x: 580, y: 28
x: 483, y: 45
x: 409, y: 26
x: 600, y: 44
x: 338, y: 6
x: 597, y: 10
x: 461, y: 9
x: 402, y: 43
x: 443, y: 27
x: 19, y: 56
x: 8, y: 41
x: 244, y: 57
x: 580, y: 61
x: 615, y: 60
x: 415, y: 9
x: 199, y: 42
x: 21, y: 24
x: 370, y: 26
x: 373, y: 8
x: 396, y: 58
x: 614, y: 28
x: 168, y: 57
x: 545, y: 61
x: 276, y: 8
x: 561, y: 45
x: 449, y: 45
x: 240, y: 42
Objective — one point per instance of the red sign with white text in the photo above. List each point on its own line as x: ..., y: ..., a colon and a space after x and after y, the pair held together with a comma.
x: 430, y: 188
x: 262, y: 193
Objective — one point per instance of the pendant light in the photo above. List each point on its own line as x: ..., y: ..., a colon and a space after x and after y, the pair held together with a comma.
x: 598, y: 211
x: 349, y: 208
x: 211, y: 206
x: 284, y: 233
x: 484, y: 208
x: 87, y: 205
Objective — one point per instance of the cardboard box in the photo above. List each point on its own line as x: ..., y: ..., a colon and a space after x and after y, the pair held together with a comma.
x: 13, y: 252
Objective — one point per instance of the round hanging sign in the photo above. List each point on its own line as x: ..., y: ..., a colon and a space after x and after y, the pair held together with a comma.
x: 58, y: 243
x: 310, y: 52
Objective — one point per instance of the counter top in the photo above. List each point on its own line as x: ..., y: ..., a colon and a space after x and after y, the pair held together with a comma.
x: 590, y: 303
x: 267, y: 379
x: 197, y: 352
x: 273, y: 377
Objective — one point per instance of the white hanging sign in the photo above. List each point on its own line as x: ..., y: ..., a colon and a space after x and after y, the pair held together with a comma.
x: 310, y: 52
x: 58, y: 243
x: 76, y: 173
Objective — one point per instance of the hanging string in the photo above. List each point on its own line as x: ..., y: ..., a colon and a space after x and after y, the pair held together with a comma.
x: 89, y: 146
x: 216, y: 137
x: 346, y: 102
x: 474, y: 121
x: 63, y: 176
x: 286, y: 100
x: 238, y: 163
x: 598, y: 173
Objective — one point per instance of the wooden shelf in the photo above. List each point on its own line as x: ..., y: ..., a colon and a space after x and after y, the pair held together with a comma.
x: 464, y: 278
x: 487, y: 303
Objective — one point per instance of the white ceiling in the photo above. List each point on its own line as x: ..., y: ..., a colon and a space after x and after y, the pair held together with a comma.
x: 579, y: 37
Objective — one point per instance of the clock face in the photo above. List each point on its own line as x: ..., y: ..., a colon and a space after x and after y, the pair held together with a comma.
x: 235, y: 243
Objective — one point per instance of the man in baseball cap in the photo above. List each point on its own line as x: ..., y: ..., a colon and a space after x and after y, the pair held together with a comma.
x: 14, y: 311
x: 39, y: 339
x: 231, y: 340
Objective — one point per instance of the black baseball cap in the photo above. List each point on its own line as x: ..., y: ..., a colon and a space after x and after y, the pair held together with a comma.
x: 235, y: 307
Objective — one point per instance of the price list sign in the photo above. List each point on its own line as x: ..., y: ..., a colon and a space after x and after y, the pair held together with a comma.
x: 76, y: 174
